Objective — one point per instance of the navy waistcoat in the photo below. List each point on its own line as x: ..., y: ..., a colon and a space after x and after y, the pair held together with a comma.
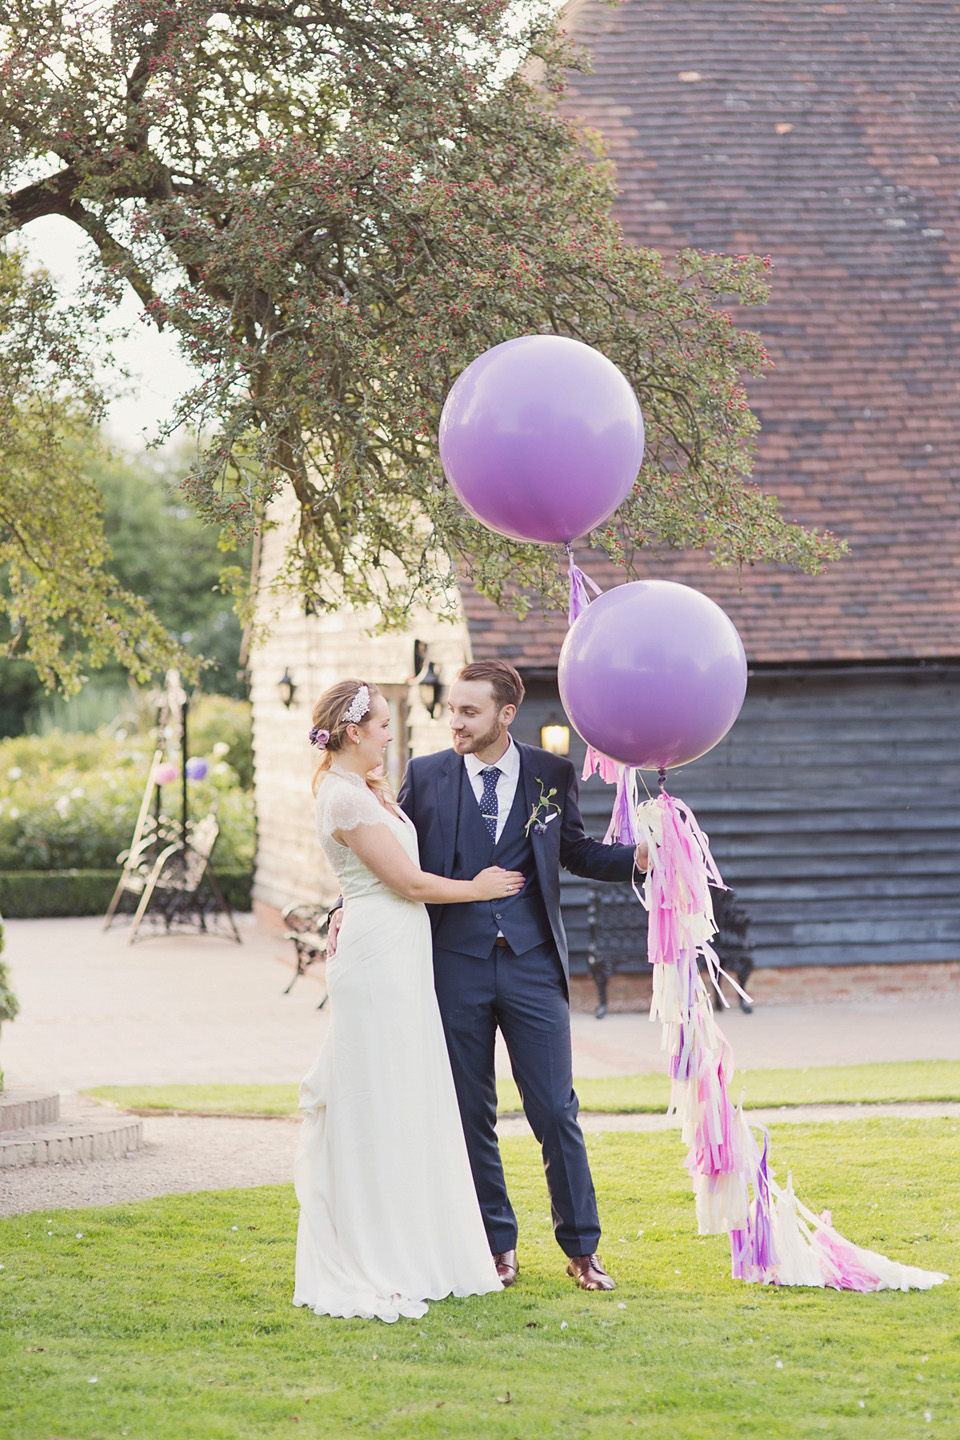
x: 472, y: 929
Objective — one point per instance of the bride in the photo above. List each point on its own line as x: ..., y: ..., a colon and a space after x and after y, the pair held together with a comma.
x: 388, y: 1213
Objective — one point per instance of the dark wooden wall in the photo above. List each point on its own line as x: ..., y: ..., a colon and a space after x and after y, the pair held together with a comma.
x: 833, y: 810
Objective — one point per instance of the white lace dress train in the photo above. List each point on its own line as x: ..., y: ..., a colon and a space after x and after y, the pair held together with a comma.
x: 389, y: 1217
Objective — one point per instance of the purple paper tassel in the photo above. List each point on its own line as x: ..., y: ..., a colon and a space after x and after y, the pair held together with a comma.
x: 579, y: 599
x: 741, y: 1261
x: 765, y: 1255
x: 622, y: 828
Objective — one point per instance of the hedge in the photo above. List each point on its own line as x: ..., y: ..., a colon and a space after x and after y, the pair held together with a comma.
x: 43, y: 894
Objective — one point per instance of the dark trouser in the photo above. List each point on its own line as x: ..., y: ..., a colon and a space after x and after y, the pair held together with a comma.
x: 525, y: 996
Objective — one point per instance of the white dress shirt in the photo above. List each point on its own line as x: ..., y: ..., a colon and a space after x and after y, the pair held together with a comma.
x: 509, y: 767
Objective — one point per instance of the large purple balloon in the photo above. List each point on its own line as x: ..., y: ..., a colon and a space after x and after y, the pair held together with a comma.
x: 652, y: 674
x: 541, y: 438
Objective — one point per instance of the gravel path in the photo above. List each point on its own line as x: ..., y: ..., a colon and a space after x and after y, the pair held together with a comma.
x: 184, y: 1153
x: 197, y: 1009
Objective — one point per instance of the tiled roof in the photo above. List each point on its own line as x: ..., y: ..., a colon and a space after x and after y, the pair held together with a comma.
x: 827, y: 136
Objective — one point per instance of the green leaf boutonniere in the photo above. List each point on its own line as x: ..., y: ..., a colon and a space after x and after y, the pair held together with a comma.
x: 543, y: 811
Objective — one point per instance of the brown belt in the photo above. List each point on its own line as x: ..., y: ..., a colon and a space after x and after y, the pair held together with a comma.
x: 501, y: 940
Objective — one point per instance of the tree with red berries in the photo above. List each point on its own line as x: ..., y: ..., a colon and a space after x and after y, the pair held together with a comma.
x: 61, y: 607
x: 337, y: 205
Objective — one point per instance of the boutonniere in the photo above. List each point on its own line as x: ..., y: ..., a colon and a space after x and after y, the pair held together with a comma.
x: 545, y: 810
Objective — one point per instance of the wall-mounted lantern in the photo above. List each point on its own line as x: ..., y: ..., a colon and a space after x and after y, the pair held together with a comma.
x: 426, y: 678
x: 430, y: 688
x: 287, y: 688
x: 555, y: 737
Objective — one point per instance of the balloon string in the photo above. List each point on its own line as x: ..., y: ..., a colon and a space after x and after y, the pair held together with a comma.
x: 579, y: 600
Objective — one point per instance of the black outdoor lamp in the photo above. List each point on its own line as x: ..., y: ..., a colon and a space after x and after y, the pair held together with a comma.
x: 555, y: 737
x: 287, y: 688
x: 429, y: 683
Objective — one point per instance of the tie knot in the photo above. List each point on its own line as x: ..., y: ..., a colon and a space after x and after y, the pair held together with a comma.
x: 491, y: 773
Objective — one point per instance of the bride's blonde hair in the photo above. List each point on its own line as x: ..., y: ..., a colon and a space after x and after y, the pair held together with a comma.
x: 330, y: 715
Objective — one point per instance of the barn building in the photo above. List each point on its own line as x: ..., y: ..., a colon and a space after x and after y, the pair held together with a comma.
x: 827, y: 137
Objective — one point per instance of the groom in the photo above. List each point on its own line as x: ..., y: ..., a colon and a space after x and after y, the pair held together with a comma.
x: 503, y: 963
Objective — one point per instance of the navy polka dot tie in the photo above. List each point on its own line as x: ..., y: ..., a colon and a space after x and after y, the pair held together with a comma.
x: 488, y: 800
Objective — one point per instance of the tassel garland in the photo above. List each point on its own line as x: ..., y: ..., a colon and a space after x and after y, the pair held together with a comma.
x: 774, y: 1239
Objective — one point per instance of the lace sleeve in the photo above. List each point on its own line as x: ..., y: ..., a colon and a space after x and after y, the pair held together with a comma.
x: 342, y: 806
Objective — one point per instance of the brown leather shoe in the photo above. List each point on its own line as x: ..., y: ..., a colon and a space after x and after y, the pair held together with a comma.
x: 589, y: 1273
x: 507, y: 1267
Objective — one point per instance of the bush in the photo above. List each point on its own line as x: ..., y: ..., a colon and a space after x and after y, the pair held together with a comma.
x: 46, y: 894
x: 9, y: 1004
x: 215, y: 721
x: 70, y: 802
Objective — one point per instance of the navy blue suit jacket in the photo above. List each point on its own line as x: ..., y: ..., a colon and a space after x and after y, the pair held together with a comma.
x: 430, y: 795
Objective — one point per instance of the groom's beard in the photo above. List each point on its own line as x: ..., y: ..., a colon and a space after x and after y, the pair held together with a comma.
x: 470, y: 744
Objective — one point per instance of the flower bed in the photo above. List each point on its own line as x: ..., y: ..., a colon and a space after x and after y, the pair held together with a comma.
x: 69, y: 805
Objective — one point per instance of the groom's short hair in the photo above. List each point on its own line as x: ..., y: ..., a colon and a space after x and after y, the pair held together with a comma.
x: 503, y: 680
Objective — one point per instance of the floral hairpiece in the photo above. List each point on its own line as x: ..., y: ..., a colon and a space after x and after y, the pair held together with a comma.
x: 358, y: 707
x: 319, y: 737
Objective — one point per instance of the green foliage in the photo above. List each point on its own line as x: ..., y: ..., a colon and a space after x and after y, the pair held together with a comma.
x: 172, y: 1319
x: 223, y: 728
x: 9, y: 1004
x: 337, y: 207
x: 163, y: 552
x: 60, y: 607
x: 71, y: 801
x: 44, y: 894
x: 101, y: 703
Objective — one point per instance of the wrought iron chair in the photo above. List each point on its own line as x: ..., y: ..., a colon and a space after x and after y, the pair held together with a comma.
x: 618, y: 937
x: 306, y: 927
x: 175, y: 881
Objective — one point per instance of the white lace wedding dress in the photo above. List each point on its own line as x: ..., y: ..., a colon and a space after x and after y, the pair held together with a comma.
x: 388, y: 1214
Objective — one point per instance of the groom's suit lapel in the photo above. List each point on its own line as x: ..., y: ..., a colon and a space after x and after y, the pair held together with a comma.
x: 528, y: 783
x: 448, y: 807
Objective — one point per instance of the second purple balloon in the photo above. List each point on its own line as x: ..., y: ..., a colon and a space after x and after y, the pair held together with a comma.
x: 653, y: 674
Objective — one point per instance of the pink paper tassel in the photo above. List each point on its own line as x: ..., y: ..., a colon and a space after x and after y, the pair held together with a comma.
x: 601, y: 764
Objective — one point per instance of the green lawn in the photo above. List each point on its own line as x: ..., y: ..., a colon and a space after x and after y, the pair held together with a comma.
x: 171, y: 1319
x: 618, y: 1094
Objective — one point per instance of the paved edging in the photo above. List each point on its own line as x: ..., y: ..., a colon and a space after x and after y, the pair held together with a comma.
x: 33, y: 1131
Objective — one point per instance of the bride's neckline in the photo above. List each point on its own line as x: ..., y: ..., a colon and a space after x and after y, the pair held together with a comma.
x: 351, y: 775
x: 361, y: 783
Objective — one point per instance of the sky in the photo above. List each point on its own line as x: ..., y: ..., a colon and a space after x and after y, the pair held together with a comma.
x: 158, y: 373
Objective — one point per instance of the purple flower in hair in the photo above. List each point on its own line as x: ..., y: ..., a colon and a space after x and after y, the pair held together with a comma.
x: 319, y: 737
